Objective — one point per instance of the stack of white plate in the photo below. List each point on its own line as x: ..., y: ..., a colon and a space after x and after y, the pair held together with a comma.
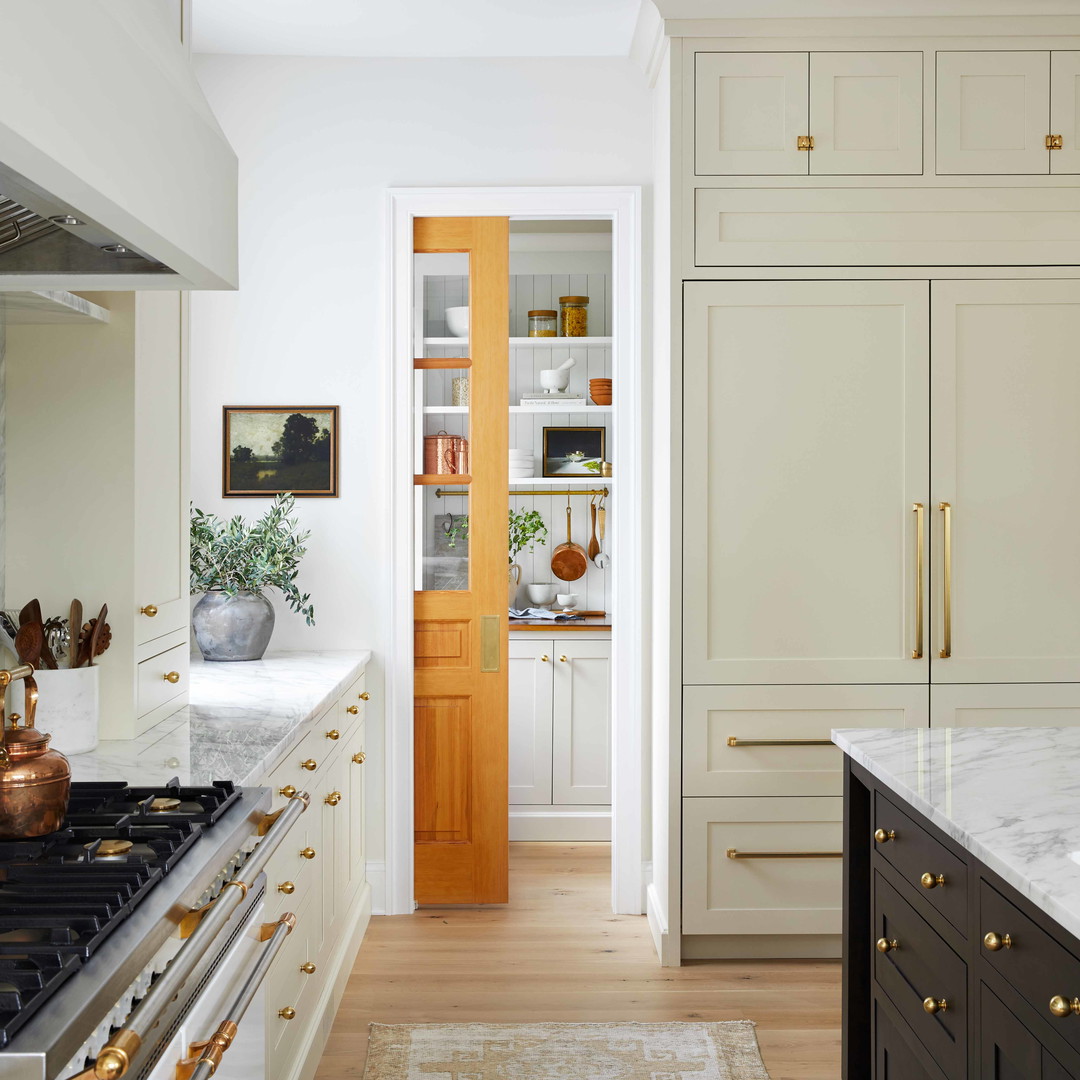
x: 521, y: 464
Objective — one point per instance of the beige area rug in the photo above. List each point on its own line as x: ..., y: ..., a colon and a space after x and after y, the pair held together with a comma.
x: 683, y: 1051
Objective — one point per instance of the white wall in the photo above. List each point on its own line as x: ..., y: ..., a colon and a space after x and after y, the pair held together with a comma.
x: 319, y: 142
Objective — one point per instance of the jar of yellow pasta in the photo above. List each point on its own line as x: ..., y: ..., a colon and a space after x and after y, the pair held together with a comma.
x: 574, y: 316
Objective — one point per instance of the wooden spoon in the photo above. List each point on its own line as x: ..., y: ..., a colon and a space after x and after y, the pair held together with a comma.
x: 95, y: 635
x: 74, y: 628
x: 594, y: 545
x: 28, y: 642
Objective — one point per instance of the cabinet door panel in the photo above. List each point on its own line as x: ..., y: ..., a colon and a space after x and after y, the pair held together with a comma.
x: 993, y: 109
x: 581, y: 724
x: 866, y: 113
x: 750, y: 109
x: 1065, y: 110
x: 895, y: 1057
x: 806, y: 431
x: 1006, y: 453
x: 1007, y: 1049
x: 530, y: 722
x: 1004, y: 705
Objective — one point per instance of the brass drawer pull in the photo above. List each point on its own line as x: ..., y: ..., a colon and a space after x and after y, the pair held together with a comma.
x: 365, y: 696
x: 333, y: 734
x: 545, y: 658
x: 932, y: 881
x: 308, y: 968
x: 804, y: 142
x: 934, y: 1005
x: 883, y: 837
x: 287, y: 887
x: 307, y: 853
x: 885, y: 945
x: 359, y: 757
x: 333, y: 798
x: 288, y: 1013
x: 171, y: 676
x: 734, y: 741
x: 1063, y: 1006
x: 311, y: 764
x: 732, y: 853
x: 995, y: 942
x: 149, y: 611
x: 353, y: 710
x: 288, y: 791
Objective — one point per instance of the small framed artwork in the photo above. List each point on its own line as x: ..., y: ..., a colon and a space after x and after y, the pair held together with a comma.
x: 270, y: 449
x: 574, y: 451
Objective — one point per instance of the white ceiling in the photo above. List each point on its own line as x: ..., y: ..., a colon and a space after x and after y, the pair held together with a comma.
x: 415, y: 27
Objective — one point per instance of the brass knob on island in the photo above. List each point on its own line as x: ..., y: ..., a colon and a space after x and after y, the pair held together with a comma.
x: 359, y: 757
x: 287, y: 887
x: 995, y: 942
x: 307, y: 853
x: 935, y: 1005
x: 333, y: 798
x: 288, y: 791
x: 365, y: 696
x: 333, y: 734
x: 311, y: 764
x: 149, y: 611
x: 308, y: 968
x: 885, y: 944
x: 930, y: 881
x: 287, y: 1013
x: 352, y: 710
x: 171, y: 676
x: 1063, y: 1006
x: 883, y: 837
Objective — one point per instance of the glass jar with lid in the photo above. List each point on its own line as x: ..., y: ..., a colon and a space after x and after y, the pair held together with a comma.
x: 574, y: 316
x: 542, y: 323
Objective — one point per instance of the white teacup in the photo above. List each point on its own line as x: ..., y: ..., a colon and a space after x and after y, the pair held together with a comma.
x: 540, y: 593
x: 567, y: 600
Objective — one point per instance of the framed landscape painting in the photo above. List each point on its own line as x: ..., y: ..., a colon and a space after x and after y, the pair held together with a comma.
x: 269, y: 449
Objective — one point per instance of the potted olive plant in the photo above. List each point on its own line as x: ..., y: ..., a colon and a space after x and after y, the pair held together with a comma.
x: 232, y: 564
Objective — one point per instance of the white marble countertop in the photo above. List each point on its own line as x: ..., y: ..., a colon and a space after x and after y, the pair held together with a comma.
x: 241, y: 718
x: 1010, y: 796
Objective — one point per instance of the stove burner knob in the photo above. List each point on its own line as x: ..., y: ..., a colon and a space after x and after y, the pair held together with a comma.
x: 287, y: 1013
x: 308, y: 968
x: 287, y: 887
x: 307, y: 853
x: 311, y: 764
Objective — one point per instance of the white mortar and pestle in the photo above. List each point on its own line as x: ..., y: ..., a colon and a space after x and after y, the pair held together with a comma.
x: 556, y: 380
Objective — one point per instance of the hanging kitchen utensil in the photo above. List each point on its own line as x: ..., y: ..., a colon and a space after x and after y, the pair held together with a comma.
x: 74, y: 626
x: 594, y: 545
x: 603, y: 559
x: 568, y: 561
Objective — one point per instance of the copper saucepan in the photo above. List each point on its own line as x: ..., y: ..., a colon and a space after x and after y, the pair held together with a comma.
x: 569, y: 561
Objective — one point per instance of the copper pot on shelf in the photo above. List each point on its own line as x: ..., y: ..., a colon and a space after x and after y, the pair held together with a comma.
x: 445, y: 453
x: 35, y: 781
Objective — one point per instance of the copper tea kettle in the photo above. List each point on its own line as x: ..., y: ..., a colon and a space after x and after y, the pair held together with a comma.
x: 35, y: 782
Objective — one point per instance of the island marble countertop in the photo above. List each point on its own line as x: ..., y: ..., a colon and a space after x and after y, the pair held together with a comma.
x: 241, y: 718
x: 1010, y: 796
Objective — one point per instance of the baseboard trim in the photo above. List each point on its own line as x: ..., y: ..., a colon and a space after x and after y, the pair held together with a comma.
x: 549, y: 825
x: 664, y: 943
x: 376, y: 877
x: 762, y: 946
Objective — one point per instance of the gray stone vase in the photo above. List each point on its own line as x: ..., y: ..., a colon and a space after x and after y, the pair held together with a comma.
x: 233, y: 627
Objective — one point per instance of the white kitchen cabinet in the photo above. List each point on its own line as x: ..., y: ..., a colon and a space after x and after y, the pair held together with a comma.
x: 1005, y: 705
x: 581, y: 723
x: 530, y: 688
x: 1065, y: 110
x: 1006, y: 460
x: 806, y: 432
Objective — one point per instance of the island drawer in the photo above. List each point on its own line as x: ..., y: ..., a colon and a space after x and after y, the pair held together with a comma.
x: 923, y: 977
x: 1038, y: 966
x: 934, y: 871
x: 894, y: 1054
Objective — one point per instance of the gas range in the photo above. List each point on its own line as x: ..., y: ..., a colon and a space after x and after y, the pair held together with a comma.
x: 95, y: 920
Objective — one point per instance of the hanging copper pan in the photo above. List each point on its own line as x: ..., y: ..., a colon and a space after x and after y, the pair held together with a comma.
x: 569, y: 561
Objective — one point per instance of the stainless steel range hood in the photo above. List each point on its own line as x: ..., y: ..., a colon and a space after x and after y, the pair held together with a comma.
x: 114, y: 173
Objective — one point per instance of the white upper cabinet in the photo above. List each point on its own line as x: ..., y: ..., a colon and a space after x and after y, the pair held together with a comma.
x: 750, y: 110
x: 866, y: 113
x: 806, y: 436
x: 1006, y: 458
x: 993, y: 112
x: 1065, y: 111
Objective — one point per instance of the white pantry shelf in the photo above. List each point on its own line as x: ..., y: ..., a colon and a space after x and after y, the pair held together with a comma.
x: 561, y: 481
x: 560, y: 410
x: 527, y: 342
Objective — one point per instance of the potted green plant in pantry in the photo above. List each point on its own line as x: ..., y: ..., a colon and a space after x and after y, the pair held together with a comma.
x: 232, y: 564
x: 526, y: 530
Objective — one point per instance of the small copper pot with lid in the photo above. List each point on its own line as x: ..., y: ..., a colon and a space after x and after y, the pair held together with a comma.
x: 35, y: 782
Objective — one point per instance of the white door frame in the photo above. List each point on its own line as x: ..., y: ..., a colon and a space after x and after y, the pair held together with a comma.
x: 623, y: 206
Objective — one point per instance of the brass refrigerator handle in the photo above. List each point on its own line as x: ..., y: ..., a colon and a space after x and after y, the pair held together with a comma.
x: 920, y: 540
x: 733, y: 853
x: 735, y: 741
x: 946, y: 586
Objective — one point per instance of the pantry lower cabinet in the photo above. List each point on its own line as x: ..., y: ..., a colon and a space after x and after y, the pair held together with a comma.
x: 560, y: 737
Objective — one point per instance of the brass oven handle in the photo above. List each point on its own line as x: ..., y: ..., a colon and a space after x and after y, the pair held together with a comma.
x: 735, y: 742
x: 946, y: 587
x: 920, y: 541
x: 732, y: 853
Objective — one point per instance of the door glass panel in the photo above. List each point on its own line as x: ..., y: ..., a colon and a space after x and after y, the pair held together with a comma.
x: 443, y: 540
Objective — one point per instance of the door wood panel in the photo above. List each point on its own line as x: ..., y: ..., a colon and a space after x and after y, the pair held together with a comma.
x: 1006, y: 457
x: 530, y: 722
x: 1065, y: 110
x: 993, y: 111
x: 806, y: 436
x: 750, y: 108
x: 460, y: 770
x: 866, y: 113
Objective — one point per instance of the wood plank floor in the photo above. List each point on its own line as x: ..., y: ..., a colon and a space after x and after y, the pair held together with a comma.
x: 557, y: 953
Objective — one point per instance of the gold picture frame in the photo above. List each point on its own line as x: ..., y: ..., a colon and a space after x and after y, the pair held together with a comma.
x: 271, y: 449
x: 574, y: 451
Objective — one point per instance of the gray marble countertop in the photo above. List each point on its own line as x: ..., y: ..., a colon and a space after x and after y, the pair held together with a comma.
x: 241, y: 719
x: 1010, y: 796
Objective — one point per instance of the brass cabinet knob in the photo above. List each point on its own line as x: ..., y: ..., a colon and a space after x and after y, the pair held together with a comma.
x: 171, y: 676
x: 333, y: 734
x: 1054, y: 142
x: 545, y: 658
x: 308, y: 968
x: 149, y: 611
x: 563, y: 660
x: 930, y: 881
x: 287, y: 887
x: 883, y: 837
x: 359, y: 757
x: 365, y: 696
x: 994, y: 942
x: 804, y: 142
x: 311, y: 764
x: 288, y: 791
x: 935, y: 1005
x: 1063, y: 1006
x: 885, y: 944
x: 287, y: 1013
x: 307, y: 853
x: 333, y: 798
x: 353, y: 710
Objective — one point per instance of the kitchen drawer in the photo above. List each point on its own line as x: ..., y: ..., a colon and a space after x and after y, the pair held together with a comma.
x: 896, y: 1049
x: 756, y: 740
x: 916, y: 967
x: 356, y: 697
x: 934, y: 871
x: 288, y: 987
x: 315, y: 748
x: 1035, y: 963
x: 286, y: 865
x: 730, y: 888
x: 155, y: 687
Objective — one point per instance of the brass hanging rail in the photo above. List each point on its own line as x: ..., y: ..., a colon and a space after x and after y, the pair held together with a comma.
x: 445, y: 492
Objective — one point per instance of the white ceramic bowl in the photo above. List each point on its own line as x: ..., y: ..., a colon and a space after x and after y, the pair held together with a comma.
x: 540, y: 593
x: 567, y: 600
x: 457, y: 321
